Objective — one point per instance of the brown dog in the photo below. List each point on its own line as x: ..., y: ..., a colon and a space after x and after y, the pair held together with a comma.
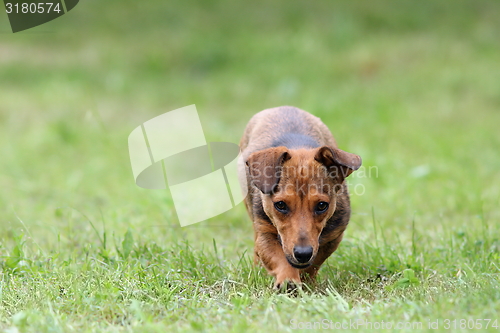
x: 297, y: 197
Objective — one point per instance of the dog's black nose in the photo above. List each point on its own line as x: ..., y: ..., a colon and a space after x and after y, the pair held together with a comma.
x: 303, y: 253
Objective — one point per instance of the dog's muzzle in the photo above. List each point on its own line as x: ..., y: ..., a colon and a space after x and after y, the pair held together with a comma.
x: 294, y: 264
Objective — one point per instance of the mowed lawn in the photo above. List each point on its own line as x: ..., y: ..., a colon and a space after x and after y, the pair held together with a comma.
x: 412, y: 87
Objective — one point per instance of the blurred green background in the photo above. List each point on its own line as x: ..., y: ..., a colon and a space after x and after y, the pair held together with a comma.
x: 411, y: 86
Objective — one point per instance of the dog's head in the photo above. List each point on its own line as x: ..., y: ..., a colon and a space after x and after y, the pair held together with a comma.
x: 299, y: 190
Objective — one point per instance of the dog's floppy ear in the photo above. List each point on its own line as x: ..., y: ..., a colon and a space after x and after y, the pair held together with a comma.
x: 342, y: 162
x: 265, y: 167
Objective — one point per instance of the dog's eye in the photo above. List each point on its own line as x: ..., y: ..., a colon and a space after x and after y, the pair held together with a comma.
x: 321, y: 207
x: 281, y: 207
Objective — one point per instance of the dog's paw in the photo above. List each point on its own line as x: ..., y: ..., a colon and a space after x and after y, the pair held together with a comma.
x: 308, y: 276
x: 287, y: 279
x: 287, y: 285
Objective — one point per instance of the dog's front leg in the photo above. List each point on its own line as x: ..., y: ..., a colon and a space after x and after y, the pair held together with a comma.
x: 268, y: 249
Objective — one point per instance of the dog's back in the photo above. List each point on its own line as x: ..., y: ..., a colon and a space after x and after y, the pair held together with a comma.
x: 284, y: 126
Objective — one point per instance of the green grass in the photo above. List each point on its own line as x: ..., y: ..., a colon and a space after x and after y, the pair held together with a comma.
x: 412, y: 87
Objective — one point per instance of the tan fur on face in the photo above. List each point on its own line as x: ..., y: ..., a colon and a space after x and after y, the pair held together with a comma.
x: 302, y: 186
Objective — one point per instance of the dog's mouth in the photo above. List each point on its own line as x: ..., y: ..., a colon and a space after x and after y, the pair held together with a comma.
x: 296, y: 264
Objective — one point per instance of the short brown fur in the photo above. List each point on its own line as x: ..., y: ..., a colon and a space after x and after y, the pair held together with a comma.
x: 290, y: 156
